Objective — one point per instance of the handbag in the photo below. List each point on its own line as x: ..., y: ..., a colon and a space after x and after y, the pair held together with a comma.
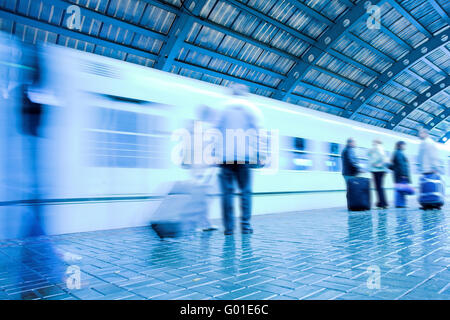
x: 404, y: 188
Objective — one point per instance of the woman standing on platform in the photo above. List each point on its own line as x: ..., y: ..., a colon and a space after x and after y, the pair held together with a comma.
x: 400, y: 168
x: 377, y: 161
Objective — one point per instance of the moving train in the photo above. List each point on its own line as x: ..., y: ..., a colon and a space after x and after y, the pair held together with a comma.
x: 101, y: 157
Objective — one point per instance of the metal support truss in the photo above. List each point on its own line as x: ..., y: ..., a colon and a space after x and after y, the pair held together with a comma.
x: 222, y: 75
x: 16, y: 17
x: 92, y: 14
x: 178, y: 33
x: 389, y: 74
x: 324, y: 43
x: 295, y: 33
x: 434, y: 90
x: 440, y: 10
x: 398, y: 7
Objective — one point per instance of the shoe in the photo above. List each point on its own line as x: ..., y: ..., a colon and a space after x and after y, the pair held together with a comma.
x: 211, y: 228
x: 228, y: 233
x: 247, y: 231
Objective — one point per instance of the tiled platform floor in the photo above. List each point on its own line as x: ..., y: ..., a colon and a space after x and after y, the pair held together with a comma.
x: 321, y: 254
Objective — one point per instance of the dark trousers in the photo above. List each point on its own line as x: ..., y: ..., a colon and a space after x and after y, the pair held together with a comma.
x: 346, y: 178
x: 242, y: 174
x: 378, y: 178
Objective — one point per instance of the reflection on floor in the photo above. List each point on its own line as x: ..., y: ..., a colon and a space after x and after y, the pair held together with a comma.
x: 321, y: 254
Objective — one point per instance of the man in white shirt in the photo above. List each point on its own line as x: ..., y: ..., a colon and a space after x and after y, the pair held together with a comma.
x: 239, y: 123
x: 428, y: 158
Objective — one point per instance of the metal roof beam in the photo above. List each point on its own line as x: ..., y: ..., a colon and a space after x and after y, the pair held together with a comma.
x: 372, y: 118
x: 178, y: 33
x: 397, y: 39
x: 393, y: 100
x: 348, y: 3
x: 446, y: 51
x: 401, y: 87
x: 238, y: 62
x: 244, y: 38
x: 310, y: 11
x: 417, y: 76
x: 222, y: 29
x: 435, y: 103
x: 376, y: 109
x: 387, y: 77
x: 368, y: 46
x: 437, y: 120
x: 352, y: 62
x: 434, y: 90
x: 74, y: 34
x: 92, y: 14
x: 249, y: 83
x: 316, y: 102
x: 272, y: 21
x: 222, y: 75
x: 410, y: 18
x: 324, y: 91
x: 163, y: 5
x: 440, y: 10
x: 434, y: 67
x: 324, y: 42
x: 338, y: 76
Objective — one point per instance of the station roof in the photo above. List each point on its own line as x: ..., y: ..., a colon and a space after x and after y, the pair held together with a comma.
x: 384, y: 62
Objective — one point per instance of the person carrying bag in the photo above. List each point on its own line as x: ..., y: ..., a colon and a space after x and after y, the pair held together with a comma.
x: 400, y: 168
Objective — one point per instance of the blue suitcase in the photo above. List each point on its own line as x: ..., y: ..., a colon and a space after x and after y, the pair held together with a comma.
x: 358, y: 194
x: 431, y: 195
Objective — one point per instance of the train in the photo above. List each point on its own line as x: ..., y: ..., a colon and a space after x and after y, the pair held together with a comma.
x: 102, y: 157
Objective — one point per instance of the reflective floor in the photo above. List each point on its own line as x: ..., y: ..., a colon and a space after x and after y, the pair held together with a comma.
x: 322, y: 254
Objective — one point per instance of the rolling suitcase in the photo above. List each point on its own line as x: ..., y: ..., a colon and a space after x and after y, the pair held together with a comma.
x: 180, y: 211
x: 358, y: 194
x: 431, y: 195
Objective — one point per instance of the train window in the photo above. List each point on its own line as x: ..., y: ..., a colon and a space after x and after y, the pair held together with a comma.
x: 334, y: 148
x: 298, y: 161
x: 333, y: 163
x: 299, y: 144
x: 125, y: 139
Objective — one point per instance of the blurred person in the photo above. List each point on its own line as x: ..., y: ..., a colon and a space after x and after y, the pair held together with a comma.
x: 358, y: 188
x: 31, y: 115
x: 428, y: 158
x: 400, y: 167
x: 240, y: 120
x: 185, y: 206
x: 203, y: 173
x: 350, y: 165
x: 377, y: 162
x: 432, y: 186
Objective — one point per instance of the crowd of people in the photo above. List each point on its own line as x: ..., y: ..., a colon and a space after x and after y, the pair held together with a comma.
x: 380, y: 165
x: 234, y: 168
